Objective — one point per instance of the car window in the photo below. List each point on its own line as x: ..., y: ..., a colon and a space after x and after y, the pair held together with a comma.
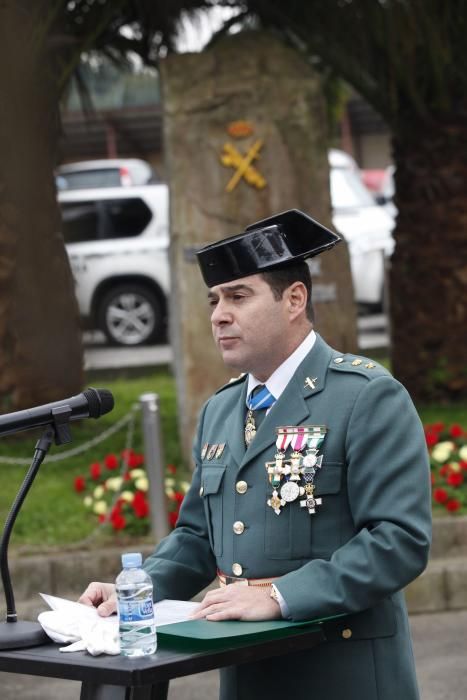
x: 347, y: 190
x: 107, y: 177
x: 107, y: 219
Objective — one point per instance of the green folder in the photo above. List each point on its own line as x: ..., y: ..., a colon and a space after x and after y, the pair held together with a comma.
x: 204, y: 633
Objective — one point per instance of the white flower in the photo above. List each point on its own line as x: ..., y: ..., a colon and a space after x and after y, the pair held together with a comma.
x: 463, y: 453
x: 114, y: 483
x: 142, y: 484
x: 170, y: 492
x: 442, y: 450
x: 87, y: 500
x: 100, y: 507
x: 184, y: 485
x: 136, y: 473
x: 127, y: 496
x: 99, y: 492
x: 170, y: 482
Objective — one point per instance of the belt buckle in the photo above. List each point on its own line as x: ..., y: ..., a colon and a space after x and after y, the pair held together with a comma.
x: 235, y: 579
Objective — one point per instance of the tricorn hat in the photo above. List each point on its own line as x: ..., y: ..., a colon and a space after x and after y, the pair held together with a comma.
x: 274, y: 242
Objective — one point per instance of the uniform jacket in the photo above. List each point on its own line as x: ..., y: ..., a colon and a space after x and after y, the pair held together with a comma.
x: 368, y: 539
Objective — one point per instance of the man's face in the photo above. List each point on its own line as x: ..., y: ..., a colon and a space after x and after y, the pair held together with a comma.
x: 250, y: 328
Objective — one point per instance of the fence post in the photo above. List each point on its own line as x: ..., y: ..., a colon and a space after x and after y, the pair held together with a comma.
x: 154, y: 460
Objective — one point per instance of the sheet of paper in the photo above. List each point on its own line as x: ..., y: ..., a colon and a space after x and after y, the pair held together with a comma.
x: 165, y: 611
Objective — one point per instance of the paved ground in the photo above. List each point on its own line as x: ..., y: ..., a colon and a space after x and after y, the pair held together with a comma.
x: 440, y: 645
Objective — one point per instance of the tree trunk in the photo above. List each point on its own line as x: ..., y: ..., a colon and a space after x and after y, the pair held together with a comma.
x: 429, y: 266
x: 40, y: 338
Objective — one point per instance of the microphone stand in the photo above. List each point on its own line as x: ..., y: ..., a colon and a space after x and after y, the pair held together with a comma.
x: 15, y: 634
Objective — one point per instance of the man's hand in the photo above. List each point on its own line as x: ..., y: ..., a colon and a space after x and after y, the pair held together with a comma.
x: 101, y: 596
x: 238, y: 602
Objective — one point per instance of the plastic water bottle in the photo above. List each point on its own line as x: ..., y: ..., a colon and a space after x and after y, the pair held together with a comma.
x: 137, y: 628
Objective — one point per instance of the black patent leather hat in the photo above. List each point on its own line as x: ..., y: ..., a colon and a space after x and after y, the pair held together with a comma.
x: 266, y: 244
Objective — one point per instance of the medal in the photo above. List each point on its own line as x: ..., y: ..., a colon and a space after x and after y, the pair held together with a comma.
x: 276, y: 503
x: 310, y: 501
x: 291, y: 490
x: 250, y: 427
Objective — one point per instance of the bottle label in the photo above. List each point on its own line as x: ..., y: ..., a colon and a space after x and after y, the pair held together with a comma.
x: 134, y: 611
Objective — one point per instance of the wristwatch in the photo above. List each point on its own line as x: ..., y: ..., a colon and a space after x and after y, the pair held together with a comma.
x: 274, y: 595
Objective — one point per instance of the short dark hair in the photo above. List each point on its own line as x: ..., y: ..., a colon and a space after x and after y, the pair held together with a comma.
x: 280, y: 278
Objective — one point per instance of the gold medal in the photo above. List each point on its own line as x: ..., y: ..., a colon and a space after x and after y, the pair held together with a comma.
x: 276, y: 502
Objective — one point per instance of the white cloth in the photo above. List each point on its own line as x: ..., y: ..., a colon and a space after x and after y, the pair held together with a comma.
x: 83, y: 629
x: 82, y: 626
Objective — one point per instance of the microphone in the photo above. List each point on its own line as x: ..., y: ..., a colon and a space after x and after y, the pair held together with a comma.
x: 92, y: 403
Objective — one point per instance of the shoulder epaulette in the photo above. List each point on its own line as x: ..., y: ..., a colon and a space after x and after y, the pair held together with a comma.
x: 355, y: 363
x: 233, y: 382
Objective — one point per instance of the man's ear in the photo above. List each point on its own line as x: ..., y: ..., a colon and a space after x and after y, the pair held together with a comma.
x: 296, y: 299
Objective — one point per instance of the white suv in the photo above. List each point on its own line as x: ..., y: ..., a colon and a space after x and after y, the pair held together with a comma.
x: 117, y: 241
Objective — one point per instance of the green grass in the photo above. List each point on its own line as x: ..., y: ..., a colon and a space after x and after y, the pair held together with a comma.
x: 53, y: 514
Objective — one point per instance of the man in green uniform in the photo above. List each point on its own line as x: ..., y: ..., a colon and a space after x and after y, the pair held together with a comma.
x: 311, y: 488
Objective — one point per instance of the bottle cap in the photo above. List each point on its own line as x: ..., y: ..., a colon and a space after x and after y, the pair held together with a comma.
x: 131, y: 559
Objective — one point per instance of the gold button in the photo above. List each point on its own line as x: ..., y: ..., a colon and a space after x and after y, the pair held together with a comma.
x: 338, y: 360
x: 370, y: 365
x: 347, y: 633
x: 238, y: 527
x: 241, y: 487
x: 237, y: 569
x: 357, y: 362
x: 201, y: 491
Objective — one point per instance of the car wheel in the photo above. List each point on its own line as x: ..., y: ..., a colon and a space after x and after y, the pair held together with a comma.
x: 130, y: 314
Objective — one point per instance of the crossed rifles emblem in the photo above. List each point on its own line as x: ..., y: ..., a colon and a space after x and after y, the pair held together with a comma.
x: 231, y: 157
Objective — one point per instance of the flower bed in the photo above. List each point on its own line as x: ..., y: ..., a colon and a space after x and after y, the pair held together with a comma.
x: 115, y: 492
x: 448, y: 459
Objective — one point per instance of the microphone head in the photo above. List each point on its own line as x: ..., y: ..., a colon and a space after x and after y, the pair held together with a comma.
x: 100, y: 401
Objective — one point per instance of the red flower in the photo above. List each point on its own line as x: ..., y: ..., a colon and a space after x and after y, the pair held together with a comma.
x: 440, y: 495
x: 433, y: 480
x: 431, y: 439
x: 95, y: 470
x: 111, y: 461
x: 438, y: 427
x: 455, y: 479
x: 452, y: 505
x: 456, y: 431
x: 134, y: 460
x: 178, y: 497
x: 140, y: 505
x: 80, y: 484
x: 118, y: 522
x: 444, y: 470
x: 463, y: 465
x: 173, y: 517
x: 172, y: 469
x: 101, y: 518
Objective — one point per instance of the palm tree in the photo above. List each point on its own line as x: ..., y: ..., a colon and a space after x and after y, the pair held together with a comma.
x: 407, y: 58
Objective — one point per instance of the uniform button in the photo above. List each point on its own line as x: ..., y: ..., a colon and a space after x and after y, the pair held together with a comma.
x: 201, y: 491
x: 347, y: 633
x: 238, y: 527
x: 241, y: 487
x: 338, y: 360
x: 237, y: 569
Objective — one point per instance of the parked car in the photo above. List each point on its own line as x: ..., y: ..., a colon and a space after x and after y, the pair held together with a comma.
x: 366, y: 227
x: 117, y: 242
x: 111, y: 172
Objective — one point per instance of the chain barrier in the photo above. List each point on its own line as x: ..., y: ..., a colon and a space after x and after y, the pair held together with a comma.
x: 127, y: 420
